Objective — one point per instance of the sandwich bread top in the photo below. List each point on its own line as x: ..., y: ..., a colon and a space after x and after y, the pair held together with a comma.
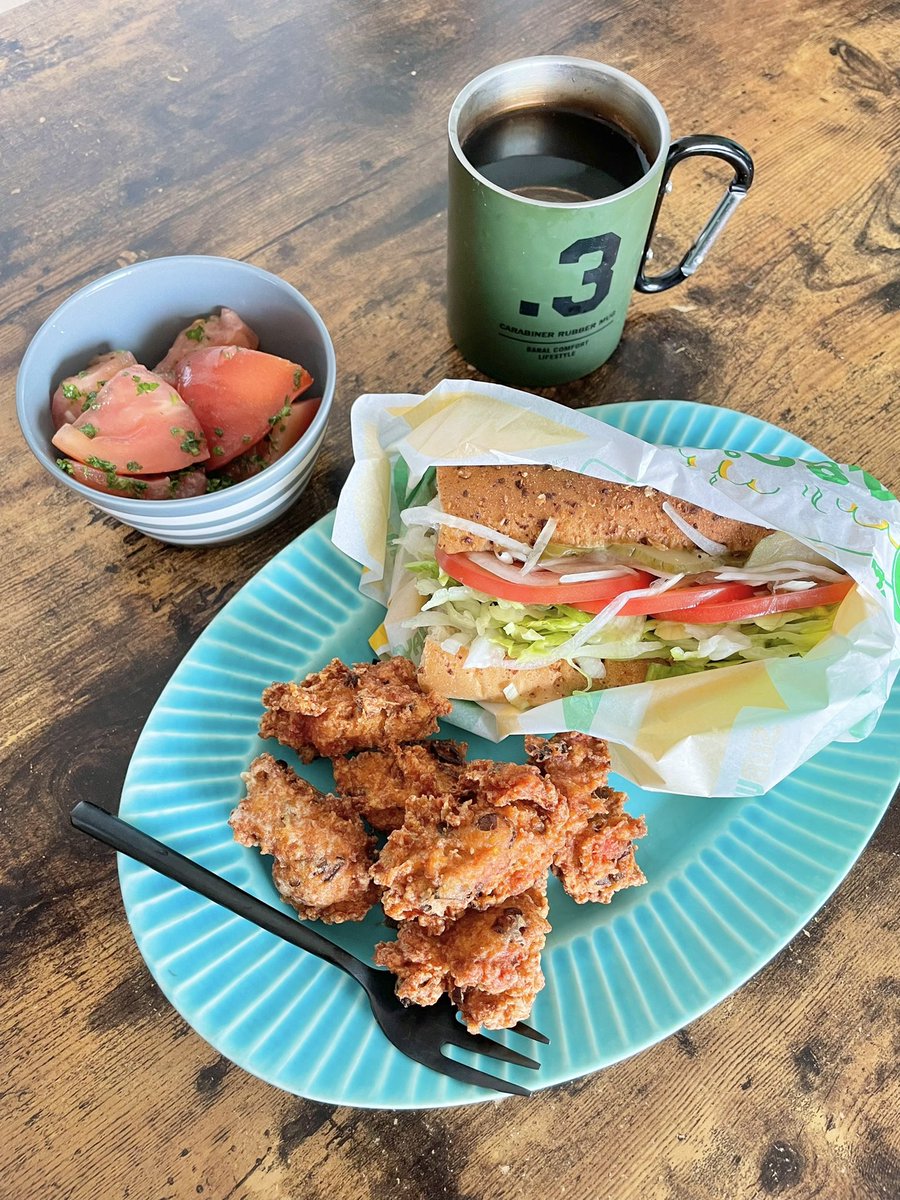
x: 517, y: 500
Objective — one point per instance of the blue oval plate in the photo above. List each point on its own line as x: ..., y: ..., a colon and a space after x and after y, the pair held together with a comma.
x: 730, y: 881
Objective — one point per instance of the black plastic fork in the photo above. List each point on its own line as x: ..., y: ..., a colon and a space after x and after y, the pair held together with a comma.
x: 419, y: 1033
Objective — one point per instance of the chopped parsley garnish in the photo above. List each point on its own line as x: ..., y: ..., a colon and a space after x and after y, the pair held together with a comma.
x: 195, y: 333
x: 191, y: 443
x: 131, y: 487
x: 89, y: 431
x: 280, y: 415
x: 133, y: 466
x: 64, y: 465
x: 146, y: 386
x: 218, y: 451
x: 245, y: 438
x: 215, y: 483
x: 71, y: 392
x: 298, y: 376
x: 218, y: 432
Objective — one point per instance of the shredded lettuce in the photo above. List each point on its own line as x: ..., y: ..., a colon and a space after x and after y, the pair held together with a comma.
x: 503, y: 630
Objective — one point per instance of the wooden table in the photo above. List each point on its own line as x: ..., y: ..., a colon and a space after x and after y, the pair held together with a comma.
x: 309, y: 139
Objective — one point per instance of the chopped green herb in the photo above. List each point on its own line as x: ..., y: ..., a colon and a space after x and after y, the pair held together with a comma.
x: 131, y: 487
x: 133, y: 466
x: 145, y: 387
x: 81, y: 374
x: 218, y: 432
x: 245, y: 438
x: 191, y: 444
x: 70, y: 391
x: 64, y: 465
x: 280, y: 415
x: 215, y: 483
x: 218, y: 451
x: 195, y: 333
x: 89, y: 431
x: 298, y: 376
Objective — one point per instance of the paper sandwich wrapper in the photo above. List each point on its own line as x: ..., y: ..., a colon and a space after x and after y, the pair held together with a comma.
x: 735, y: 731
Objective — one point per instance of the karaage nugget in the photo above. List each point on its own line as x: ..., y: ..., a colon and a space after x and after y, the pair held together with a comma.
x: 489, y: 962
x: 492, y: 837
x: 596, y: 857
x: 378, y: 783
x: 343, y: 708
x: 321, y: 849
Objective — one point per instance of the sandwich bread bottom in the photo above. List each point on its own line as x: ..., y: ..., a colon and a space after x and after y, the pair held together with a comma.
x: 447, y: 675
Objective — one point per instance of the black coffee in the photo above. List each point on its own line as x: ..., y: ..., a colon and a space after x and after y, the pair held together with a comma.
x: 558, y: 155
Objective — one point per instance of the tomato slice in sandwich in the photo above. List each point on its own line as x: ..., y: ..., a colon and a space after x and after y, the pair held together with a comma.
x: 543, y: 586
x: 761, y: 604
x: 696, y: 594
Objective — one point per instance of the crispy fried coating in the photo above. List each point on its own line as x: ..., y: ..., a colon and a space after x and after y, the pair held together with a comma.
x: 488, y: 961
x: 596, y: 857
x: 492, y: 837
x: 321, y: 849
x: 343, y: 708
x: 378, y: 782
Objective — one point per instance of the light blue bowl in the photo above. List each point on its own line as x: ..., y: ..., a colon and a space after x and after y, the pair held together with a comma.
x: 141, y: 308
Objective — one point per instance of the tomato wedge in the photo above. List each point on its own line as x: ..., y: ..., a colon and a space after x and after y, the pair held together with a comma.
x: 156, y: 487
x: 675, y: 598
x: 224, y: 329
x: 761, y: 604
x: 283, y: 435
x: 238, y: 395
x: 545, y: 587
x: 137, y: 425
x: 78, y: 393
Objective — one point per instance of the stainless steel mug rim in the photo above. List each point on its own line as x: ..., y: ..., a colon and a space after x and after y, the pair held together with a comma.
x: 558, y: 60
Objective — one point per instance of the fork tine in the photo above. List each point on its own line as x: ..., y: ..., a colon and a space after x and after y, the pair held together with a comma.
x: 527, y: 1031
x: 466, y: 1074
x: 479, y: 1044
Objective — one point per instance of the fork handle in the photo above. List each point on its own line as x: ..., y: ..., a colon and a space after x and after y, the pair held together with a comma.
x: 128, y: 840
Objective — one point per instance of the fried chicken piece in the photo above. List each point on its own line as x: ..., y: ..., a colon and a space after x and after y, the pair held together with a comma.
x: 596, y: 858
x: 379, y: 782
x: 489, y: 961
x: 492, y: 837
x: 343, y: 708
x: 321, y: 849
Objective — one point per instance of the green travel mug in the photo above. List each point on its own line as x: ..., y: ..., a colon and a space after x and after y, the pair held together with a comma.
x: 549, y: 233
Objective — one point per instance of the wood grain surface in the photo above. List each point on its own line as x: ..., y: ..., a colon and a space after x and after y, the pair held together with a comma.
x: 309, y: 139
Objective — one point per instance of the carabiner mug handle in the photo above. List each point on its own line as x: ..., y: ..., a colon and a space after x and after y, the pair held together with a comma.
x: 687, y: 147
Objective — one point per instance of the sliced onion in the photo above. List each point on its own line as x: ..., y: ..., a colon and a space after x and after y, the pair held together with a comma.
x: 452, y: 645
x: 793, y: 585
x: 594, y: 668
x: 589, y: 576
x: 543, y: 540
x: 490, y: 562
x: 781, y: 571
x: 427, y: 515
x: 707, y: 545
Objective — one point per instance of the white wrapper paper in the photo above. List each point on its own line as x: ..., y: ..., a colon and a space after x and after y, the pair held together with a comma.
x: 733, y: 731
